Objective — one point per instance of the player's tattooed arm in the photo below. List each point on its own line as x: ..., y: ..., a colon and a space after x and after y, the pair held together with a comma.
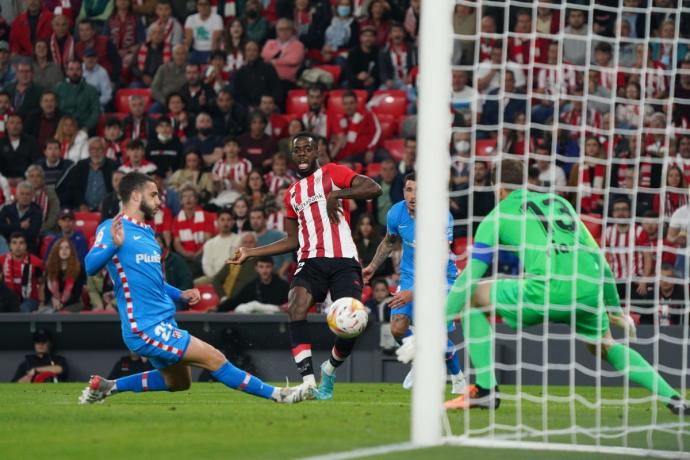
x: 383, y: 251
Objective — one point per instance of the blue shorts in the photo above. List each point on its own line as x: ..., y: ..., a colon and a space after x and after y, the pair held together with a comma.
x: 408, y: 308
x: 164, y: 344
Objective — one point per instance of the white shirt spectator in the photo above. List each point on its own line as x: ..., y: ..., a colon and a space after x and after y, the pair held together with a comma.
x: 202, y: 31
x: 485, y: 67
x: 575, y: 49
x: 466, y: 99
x: 79, y: 149
x: 217, y: 250
x: 99, y: 79
x: 680, y: 220
x: 559, y: 180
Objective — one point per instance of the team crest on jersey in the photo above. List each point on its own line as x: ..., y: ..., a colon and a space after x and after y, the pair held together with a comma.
x: 177, y: 334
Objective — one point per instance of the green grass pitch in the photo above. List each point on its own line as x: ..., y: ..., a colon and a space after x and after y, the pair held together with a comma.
x: 212, y: 422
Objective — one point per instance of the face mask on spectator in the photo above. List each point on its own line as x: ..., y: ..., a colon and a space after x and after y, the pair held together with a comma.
x: 343, y: 10
x: 462, y: 146
x: 163, y: 138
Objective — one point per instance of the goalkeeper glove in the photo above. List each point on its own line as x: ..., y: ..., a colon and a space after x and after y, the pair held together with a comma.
x: 625, y: 322
x: 405, y: 352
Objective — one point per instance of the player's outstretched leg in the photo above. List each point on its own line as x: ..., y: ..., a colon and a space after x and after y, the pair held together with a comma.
x: 339, y: 353
x: 299, y: 302
x: 629, y: 362
x: 400, y: 329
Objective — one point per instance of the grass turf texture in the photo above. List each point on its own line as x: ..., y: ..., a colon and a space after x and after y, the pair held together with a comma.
x: 210, y: 421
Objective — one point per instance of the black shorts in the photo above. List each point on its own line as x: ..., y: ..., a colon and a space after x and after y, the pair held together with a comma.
x: 341, y: 276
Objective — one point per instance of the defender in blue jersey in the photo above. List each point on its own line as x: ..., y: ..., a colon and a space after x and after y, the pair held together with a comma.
x: 128, y: 249
x: 401, y: 227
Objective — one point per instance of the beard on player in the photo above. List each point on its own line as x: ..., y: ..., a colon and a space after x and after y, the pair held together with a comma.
x: 147, y: 210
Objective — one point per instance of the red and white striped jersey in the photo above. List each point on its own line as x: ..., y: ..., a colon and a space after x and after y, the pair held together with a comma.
x: 276, y: 221
x: 557, y: 80
x: 623, y: 250
x: 232, y: 172
x: 193, y: 232
x: 145, y: 167
x: 305, y: 201
x: 274, y: 182
x: 162, y: 221
x: 656, y: 81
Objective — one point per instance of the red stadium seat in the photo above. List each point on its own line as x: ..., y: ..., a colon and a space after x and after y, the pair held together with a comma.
x: 485, y: 147
x: 373, y: 169
x: 87, y: 227
x: 296, y: 101
x: 209, y: 299
x: 122, y: 98
x: 395, y: 147
x: 335, y: 100
x: 460, y: 249
x: 389, y: 126
x: 593, y: 224
x: 389, y: 102
x: 45, y: 244
x: 87, y: 215
x: 334, y: 70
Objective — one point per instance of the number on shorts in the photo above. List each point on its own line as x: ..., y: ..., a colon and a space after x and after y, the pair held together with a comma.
x: 164, y: 331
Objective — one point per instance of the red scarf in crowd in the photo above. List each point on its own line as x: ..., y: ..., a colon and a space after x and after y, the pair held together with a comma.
x: 54, y: 288
x: 41, y: 199
x: 61, y: 58
x: 592, y: 177
x: 21, y: 282
x: 144, y: 51
x: 123, y: 32
x: 400, y: 61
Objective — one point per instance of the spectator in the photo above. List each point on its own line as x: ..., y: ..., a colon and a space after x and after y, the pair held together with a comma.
x: 138, y: 124
x: 255, y: 23
x: 106, y: 53
x: 52, y: 164
x: 625, y: 264
x: 367, y: 238
x: 78, y: 98
x: 342, y: 33
x: 89, y: 181
x: 148, y: 57
x: 377, y: 303
x: 275, y: 123
x: 391, y: 182
x: 483, y: 201
x: 233, y: 43
x: 317, y: 119
x: 672, y: 301
x: 68, y: 230
x: 229, y: 118
x: 240, y: 212
x: 101, y: 294
x: 24, y: 93
x: 677, y: 235
x: 197, y: 95
x: 294, y: 127
x: 96, y: 76
x: 377, y: 19
x: 511, y: 107
x: 255, y: 78
x: 129, y: 365
x: 675, y: 195
x: 175, y: 271
x: 192, y: 227
x: 7, y: 74
x: 17, y: 150
x: 590, y: 184
x: 227, y: 282
x: 397, y: 59
x: 311, y: 18
x: 179, y: 117
x: 603, y: 57
x: 257, y: 193
x: 412, y: 19
x: 44, y: 196
x: 554, y: 81
x: 136, y: 162
x: 205, y: 142
x: 218, y: 249
x: 279, y: 176
x: 361, y: 68
x: 407, y: 163
x: 170, y: 77
x: 22, y: 271
x: 43, y: 366
x: 265, y: 288
x: 64, y: 279
x: 215, y: 74
x: 42, y: 122
x: 5, y: 192
x: 5, y: 112
x: 203, y: 32
x: 465, y: 99
x: 192, y: 172
x: 61, y: 42
x: 110, y: 206
x: 164, y: 150
x: 125, y: 30
x: 358, y: 133
x: 113, y: 135
x: 682, y: 157
x: 8, y: 299
x: 285, y: 53
x: 551, y: 176
x: 575, y: 49
x: 681, y: 108
x: 489, y: 71
x: 33, y: 24
x: 632, y: 114
x: 172, y: 30
x: 5, y: 21
x: 256, y: 145
x: 232, y: 170
x: 73, y: 141
x: 663, y: 50
x: 162, y: 219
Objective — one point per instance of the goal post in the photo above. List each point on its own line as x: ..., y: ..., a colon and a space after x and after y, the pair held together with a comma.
x: 431, y: 245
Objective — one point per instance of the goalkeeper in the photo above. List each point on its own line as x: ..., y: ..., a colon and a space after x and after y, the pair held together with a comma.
x: 562, y: 271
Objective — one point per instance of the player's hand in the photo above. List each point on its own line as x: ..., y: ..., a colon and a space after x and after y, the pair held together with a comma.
x: 191, y: 296
x: 117, y: 232
x: 624, y: 322
x: 405, y: 352
x: 333, y: 209
x: 401, y: 299
x: 239, y: 257
x: 367, y: 273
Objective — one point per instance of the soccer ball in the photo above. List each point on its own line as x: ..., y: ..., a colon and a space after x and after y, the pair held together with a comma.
x: 347, y: 317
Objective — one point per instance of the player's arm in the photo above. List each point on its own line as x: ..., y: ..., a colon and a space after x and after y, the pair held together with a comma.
x: 107, y: 243
x: 287, y: 244
x: 383, y: 252
x: 361, y: 188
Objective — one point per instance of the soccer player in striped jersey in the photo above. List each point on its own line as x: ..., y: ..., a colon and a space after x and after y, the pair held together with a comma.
x: 317, y: 222
x: 128, y: 249
x: 401, y: 227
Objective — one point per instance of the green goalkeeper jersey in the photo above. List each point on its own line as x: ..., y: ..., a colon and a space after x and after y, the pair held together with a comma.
x: 560, y: 261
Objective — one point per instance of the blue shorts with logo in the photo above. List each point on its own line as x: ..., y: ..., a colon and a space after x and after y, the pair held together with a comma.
x: 408, y: 308
x: 164, y: 344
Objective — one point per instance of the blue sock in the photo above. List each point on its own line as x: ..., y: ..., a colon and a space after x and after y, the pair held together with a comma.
x: 238, y: 379
x: 452, y: 361
x: 146, y: 381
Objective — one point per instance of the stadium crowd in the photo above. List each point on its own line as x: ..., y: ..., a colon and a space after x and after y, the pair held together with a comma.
x: 205, y: 95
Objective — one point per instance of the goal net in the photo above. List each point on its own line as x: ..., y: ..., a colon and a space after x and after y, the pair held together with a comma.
x: 594, y: 98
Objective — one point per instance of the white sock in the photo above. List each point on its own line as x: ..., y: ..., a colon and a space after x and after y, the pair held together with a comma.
x: 309, y: 380
x: 275, y: 394
x: 328, y: 368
